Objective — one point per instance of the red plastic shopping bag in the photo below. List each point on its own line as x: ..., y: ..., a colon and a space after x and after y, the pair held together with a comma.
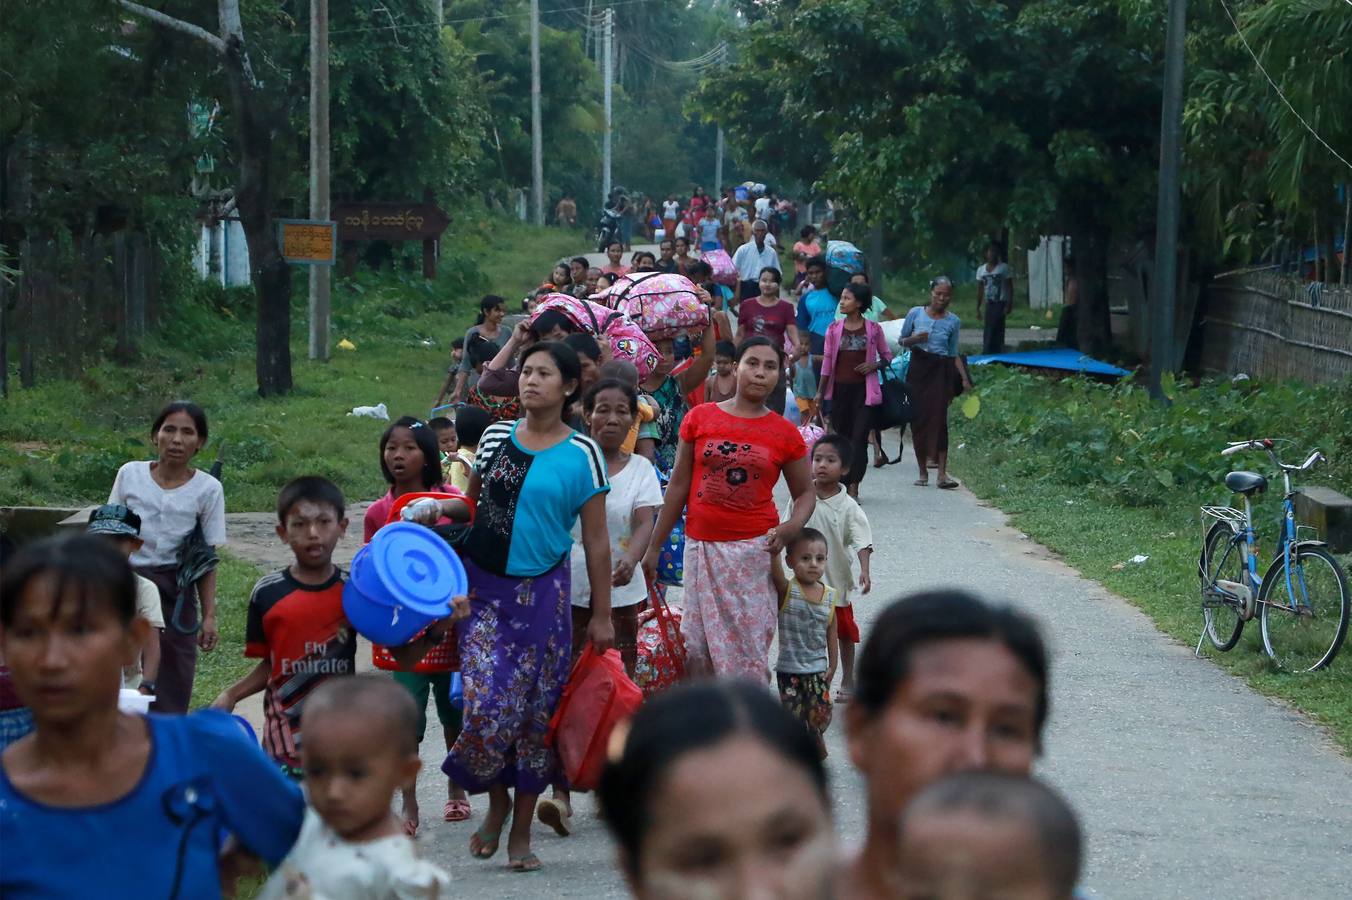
x: 598, y: 696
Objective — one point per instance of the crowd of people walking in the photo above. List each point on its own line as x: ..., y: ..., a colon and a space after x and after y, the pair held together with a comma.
x: 577, y: 489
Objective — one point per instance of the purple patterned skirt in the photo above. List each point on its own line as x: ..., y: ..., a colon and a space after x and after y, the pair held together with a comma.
x: 515, y: 655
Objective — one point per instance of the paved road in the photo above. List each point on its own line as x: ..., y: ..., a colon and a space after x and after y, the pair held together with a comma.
x: 1189, y: 784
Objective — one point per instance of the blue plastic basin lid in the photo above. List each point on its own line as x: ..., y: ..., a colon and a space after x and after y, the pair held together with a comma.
x: 417, y: 567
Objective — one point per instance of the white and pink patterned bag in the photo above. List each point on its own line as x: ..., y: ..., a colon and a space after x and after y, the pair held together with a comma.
x: 664, y: 305
x: 627, y: 341
x: 724, y: 271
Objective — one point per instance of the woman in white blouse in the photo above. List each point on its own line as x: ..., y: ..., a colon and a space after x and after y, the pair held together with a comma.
x: 172, y: 499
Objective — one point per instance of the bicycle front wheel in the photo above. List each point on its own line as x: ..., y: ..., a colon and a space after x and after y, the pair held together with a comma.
x: 1221, y: 561
x: 1304, y: 610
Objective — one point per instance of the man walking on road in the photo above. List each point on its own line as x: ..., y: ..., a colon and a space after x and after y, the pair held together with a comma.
x: 995, y: 287
x: 751, y: 258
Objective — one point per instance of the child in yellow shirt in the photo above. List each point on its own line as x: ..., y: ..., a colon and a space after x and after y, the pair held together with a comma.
x: 470, y: 422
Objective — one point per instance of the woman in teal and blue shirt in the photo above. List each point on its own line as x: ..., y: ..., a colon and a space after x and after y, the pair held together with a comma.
x: 533, y: 479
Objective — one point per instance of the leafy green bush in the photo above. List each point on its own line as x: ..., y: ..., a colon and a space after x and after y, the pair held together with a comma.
x: 1120, y: 447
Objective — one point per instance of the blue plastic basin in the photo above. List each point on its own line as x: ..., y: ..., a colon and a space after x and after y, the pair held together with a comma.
x: 400, y: 583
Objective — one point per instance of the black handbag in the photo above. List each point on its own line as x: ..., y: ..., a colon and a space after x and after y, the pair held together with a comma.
x: 895, y: 410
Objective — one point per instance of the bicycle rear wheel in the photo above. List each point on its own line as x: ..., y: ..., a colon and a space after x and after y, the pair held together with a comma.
x: 1304, y: 623
x: 1221, y: 561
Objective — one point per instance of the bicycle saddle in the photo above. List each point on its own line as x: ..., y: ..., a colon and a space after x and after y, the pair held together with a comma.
x: 1246, y: 483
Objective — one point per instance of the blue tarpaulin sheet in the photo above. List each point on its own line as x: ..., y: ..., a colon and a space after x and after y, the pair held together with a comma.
x: 1061, y: 358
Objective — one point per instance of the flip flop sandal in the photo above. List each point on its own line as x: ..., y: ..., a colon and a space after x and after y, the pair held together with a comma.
x: 947, y: 485
x: 921, y: 482
x: 528, y: 863
x: 553, y: 814
x: 456, y: 810
x: 410, y: 828
x: 842, y: 695
x: 488, y: 844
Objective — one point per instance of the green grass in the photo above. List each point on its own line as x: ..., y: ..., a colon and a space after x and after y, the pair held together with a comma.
x: 62, y: 441
x: 226, y: 664
x: 1030, y: 465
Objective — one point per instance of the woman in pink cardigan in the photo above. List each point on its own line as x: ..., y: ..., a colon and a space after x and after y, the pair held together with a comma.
x: 855, y: 350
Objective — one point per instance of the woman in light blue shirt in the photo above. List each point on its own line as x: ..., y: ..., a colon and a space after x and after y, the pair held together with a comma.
x: 931, y: 334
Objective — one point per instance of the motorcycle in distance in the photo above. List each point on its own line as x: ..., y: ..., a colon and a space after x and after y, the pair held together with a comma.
x: 607, y: 228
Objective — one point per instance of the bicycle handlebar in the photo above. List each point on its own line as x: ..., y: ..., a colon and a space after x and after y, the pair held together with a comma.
x: 1266, y: 445
x: 1314, y: 459
x: 1238, y: 446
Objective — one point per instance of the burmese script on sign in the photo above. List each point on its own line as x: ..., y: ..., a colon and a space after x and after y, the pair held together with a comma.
x: 409, y: 220
x: 308, y: 242
x: 389, y: 220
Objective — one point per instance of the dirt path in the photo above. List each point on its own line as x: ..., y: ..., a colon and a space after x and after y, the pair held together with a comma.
x: 253, y: 538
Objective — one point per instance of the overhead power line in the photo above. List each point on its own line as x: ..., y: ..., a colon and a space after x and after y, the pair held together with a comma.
x: 1259, y: 63
x: 432, y: 23
x: 695, y: 64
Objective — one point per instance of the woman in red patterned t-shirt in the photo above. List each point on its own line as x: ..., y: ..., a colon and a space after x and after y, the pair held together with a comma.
x: 730, y: 456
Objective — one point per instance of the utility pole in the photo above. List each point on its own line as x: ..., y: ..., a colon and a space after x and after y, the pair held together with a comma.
x: 320, y: 276
x: 608, y: 37
x: 588, y: 46
x: 718, y: 162
x: 718, y: 151
x: 537, y: 153
x: 1166, y: 214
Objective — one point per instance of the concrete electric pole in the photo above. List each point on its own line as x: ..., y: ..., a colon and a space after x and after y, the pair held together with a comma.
x: 608, y: 37
x: 320, y: 276
x: 537, y: 157
x: 1166, y: 215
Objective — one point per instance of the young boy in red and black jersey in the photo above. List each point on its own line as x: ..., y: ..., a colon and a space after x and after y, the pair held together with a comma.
x: 296, y: 627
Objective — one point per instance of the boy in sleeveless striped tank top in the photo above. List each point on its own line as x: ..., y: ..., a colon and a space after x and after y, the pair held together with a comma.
x: 808, y: 642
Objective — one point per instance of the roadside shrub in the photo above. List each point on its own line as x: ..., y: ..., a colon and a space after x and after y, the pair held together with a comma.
x: 1122, y: 448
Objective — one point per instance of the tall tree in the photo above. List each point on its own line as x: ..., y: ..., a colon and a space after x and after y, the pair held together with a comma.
x: 408, y: 120
x: 1262, y: 172
x: 412, y: 113
x: 257, y: 113
x: 950, y: 120
x: 496, y: 35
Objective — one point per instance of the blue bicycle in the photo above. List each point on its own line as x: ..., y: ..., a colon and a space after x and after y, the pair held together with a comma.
x: 1301, y: 600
